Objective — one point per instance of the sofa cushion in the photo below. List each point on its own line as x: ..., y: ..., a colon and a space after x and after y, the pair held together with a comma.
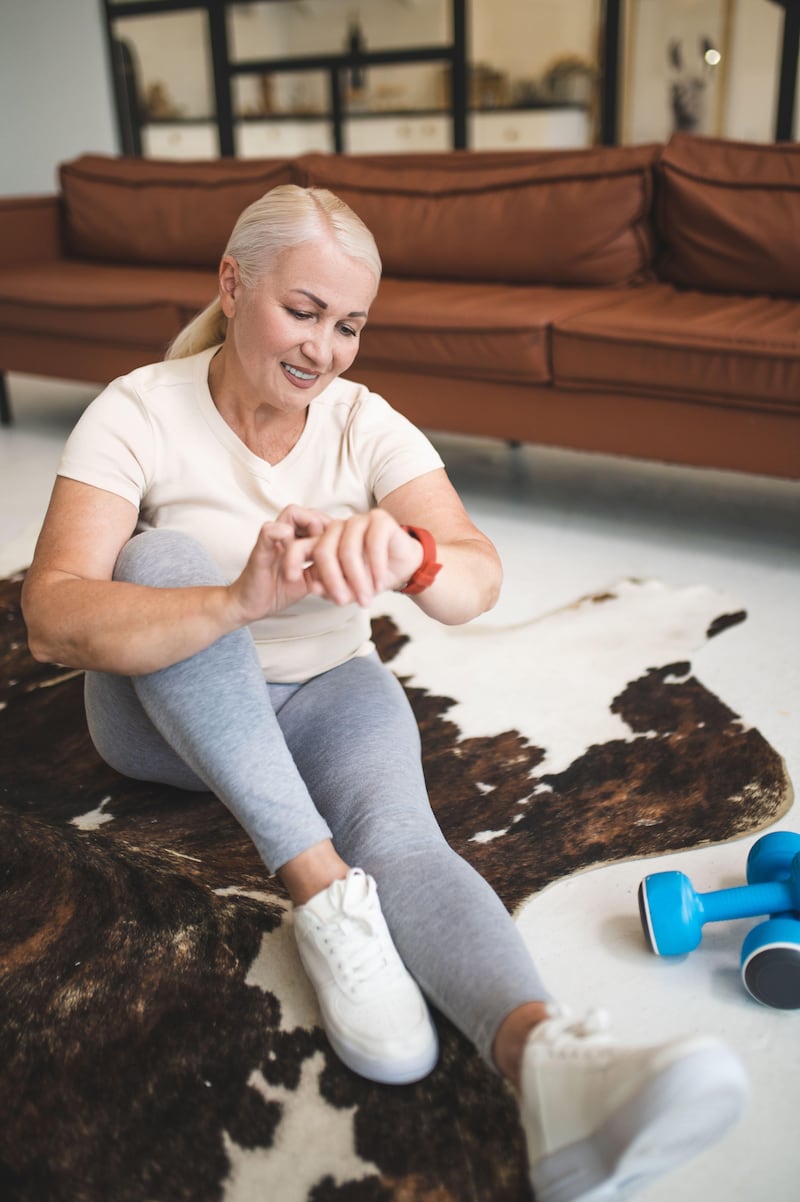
x: 468, y: 331
x: 30, y: 229
x: 144, y: 306
x: 564, y: 217
x: 658, y: 340
x: 727, y: 213
x: 160, y: 212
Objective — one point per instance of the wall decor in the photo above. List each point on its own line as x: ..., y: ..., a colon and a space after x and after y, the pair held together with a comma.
x: 676, y: 68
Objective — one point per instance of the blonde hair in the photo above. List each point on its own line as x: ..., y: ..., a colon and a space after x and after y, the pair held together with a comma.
x: 284, y: 217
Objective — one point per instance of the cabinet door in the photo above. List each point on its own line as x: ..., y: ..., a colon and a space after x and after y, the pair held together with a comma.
x: 391, y: 135
x: 178, y: 141
x: 554, y: 128
x: 282, y: 139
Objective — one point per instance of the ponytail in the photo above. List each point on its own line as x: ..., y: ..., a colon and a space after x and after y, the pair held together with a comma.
x: 207, y: 329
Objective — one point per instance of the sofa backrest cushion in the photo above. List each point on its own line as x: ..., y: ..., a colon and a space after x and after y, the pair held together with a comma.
x: 170, y: 213
x: 578, y: 217
x: 728, y: 215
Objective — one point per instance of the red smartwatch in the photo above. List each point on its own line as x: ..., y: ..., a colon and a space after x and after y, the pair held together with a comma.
x: 429, y: 569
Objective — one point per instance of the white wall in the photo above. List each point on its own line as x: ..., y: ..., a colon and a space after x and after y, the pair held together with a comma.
x: 55, y: 91
x: 755, y: 71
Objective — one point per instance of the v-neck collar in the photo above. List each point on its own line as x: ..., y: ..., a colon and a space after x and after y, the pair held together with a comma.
x: 229, y: 439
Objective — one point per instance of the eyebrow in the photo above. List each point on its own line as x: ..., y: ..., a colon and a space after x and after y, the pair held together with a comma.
x: 324, y: 304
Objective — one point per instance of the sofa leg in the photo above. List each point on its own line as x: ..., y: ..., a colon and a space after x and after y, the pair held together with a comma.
x: 5, y: 403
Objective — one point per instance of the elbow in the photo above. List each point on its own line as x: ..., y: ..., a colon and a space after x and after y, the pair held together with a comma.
x: 472, y: 604
x: 38, y: 644
x: 489, y: 600
x: 492, y: 586
x: 493, y: 597
x: 39, y: 649
x: 44, y: 650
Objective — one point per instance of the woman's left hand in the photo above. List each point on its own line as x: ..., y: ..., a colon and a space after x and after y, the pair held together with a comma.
x: 353, y: 560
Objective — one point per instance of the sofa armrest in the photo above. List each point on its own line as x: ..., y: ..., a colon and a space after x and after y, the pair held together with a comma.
x: 30, y: 229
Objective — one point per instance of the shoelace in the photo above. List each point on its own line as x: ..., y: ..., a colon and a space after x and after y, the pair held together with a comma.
x: 573, y: 1037
x: 594, y: 1022
x: 353, y: 934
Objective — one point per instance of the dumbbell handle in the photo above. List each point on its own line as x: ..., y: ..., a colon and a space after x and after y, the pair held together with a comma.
x: 748, y: 901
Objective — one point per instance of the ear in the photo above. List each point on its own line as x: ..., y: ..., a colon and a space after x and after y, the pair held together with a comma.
x: 229, y: 284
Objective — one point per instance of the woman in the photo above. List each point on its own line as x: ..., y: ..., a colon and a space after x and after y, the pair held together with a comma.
x: 220, y: 525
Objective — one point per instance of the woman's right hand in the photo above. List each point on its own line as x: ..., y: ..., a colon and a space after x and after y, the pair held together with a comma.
x: 264, y: 588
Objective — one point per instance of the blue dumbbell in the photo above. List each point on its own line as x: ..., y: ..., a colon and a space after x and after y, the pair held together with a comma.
x: 673, y: 916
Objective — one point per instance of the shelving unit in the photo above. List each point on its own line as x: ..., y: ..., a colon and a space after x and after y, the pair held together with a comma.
x: 337, y: 126
x: 340, y: 123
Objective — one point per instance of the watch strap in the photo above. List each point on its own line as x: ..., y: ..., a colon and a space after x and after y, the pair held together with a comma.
x: 429, y: 569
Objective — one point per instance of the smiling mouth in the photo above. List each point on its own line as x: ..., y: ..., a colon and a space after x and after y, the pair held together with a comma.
x: 298, y: 374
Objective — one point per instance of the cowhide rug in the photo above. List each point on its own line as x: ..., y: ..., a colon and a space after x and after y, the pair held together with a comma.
x: 158, y: 1040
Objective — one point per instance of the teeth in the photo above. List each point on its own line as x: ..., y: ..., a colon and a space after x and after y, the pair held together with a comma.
x: 301, y: 375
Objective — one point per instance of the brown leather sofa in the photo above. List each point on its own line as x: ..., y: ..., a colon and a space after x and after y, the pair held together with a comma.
x: 634, y: 300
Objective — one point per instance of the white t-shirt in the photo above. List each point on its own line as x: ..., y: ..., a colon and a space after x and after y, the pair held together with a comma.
x: 156, y: 438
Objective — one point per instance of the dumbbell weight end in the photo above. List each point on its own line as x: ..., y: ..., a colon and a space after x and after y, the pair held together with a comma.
x: 670, y: 914
x: 771, y: 962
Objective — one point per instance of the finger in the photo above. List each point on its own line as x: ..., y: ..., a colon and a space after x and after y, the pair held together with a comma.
x: 298, y: 554
x: 326, y: 558
x: 275, y: 531
x: 354, y: 558
x: 305, y: 521
x: 314, y: 584
x: 377, y: 542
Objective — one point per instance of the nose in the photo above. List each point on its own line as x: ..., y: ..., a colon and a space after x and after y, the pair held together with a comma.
x: 317, y: 346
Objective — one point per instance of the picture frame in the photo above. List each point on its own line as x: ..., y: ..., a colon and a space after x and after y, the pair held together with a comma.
x: 676, y: 68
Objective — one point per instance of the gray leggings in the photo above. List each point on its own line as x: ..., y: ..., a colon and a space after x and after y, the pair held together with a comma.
x: 335, y: 757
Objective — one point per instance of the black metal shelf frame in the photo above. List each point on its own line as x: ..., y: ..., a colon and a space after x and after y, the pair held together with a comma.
x: 225, y: 70
x: 453, y: 53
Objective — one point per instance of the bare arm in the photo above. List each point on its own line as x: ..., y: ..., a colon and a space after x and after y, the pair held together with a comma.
x: 471, y: 576
x: 78, y: 616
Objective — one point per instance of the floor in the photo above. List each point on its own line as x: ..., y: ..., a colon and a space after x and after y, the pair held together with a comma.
x: 566, y: 525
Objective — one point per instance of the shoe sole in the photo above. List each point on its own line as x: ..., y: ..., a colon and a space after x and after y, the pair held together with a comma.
x: 375, y: 1067
x: 384, y: 1072
x: 689, y: 1106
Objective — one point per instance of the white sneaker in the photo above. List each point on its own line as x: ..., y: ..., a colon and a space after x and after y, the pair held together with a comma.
x: 374, y: 1013
x: 602, y: 1121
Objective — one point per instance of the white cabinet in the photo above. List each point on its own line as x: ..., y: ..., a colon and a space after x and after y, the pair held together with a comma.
x: 180, y: 141
x: 529, y: 129
x: 282, y: 139
x: 496, y: 130
x: 391, y: 135
x: 254, y: 139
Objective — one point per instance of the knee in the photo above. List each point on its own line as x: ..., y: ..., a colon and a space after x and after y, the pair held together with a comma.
x: 166, y: 558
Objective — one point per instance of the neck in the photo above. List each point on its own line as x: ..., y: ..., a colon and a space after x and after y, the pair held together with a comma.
x: 264, y: 430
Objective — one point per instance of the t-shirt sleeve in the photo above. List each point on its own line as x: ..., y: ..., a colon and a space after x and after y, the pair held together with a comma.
x: 111, y: 447
x: 392, y: 449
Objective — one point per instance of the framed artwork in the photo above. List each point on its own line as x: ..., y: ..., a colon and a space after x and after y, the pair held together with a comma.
x: 676, y: 71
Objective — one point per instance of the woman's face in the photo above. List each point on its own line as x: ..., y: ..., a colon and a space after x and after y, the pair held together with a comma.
x: 297, y: 328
